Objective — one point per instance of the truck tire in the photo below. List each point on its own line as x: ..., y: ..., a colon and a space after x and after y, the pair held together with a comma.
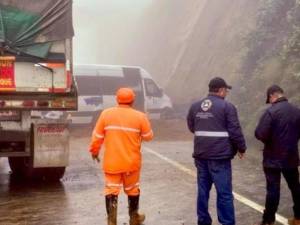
x: 22, y: 167
x: 16, y: 165
x: 54, y: 174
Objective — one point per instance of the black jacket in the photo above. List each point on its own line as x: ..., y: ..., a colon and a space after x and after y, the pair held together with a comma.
x: 279, y: 130
x: 217, y: 130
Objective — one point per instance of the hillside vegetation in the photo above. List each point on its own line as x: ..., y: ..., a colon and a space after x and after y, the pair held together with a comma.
x: 252, y: 44
x: 273, y: 53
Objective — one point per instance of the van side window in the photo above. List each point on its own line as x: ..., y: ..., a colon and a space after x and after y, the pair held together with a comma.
x: 88, y: 85
x: 151, y: 89
x: 133, y: 78
x: 111, y: 84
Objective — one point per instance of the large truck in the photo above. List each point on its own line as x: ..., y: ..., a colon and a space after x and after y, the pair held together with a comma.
x: 36, y: 75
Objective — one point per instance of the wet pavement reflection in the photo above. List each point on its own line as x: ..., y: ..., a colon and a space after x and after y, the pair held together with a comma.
x: 168, y: 195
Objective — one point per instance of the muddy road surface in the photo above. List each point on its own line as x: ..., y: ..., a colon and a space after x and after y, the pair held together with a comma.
x: 168, y: 188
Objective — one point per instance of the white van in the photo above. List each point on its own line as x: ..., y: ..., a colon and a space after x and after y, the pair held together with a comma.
x: 97, y: 85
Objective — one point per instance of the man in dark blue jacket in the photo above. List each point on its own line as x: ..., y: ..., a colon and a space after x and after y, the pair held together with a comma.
x: 279, y: 130
x: 218, y: 137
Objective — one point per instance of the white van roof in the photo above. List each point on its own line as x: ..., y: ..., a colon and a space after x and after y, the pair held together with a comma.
x: 115, y: 70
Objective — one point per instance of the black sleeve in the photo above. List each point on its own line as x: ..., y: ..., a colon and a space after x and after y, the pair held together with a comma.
x: 234, y: 129
x: 190, y: 120
x: 263, y: 129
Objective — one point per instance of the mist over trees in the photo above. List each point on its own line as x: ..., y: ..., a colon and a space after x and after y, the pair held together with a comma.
x: 183, y: 44
x: 252, y: 44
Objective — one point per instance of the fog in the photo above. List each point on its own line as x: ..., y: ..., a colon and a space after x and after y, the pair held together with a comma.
x: 103, y: 29
x: 183, y: 44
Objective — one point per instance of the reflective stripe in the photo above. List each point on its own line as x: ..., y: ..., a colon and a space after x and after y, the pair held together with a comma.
x: 122, y: 128
x: 131, y: 187
x: 98, y: 135
x: 147, y: 134
x: 113, y: 185
x: 211, y: 134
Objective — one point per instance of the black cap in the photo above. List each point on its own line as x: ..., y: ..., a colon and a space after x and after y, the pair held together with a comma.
x: 273, y: 89
x: 217, y: 83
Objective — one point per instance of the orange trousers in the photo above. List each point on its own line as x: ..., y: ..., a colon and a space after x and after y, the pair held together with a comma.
x: 129, y: 181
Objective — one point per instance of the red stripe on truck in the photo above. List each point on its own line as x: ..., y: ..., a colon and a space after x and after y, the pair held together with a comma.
x: 57, y: 90
x: 69, y: 79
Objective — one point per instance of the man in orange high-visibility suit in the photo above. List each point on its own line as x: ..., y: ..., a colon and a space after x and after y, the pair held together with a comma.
x: 122, y: 130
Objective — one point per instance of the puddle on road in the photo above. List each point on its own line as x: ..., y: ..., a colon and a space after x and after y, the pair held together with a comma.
x: 70, y: 201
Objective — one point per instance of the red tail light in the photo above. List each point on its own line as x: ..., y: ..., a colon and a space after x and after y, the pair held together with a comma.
x: 70, y: 104
x: 28, y: 104
x: 42, y: 103
x: 57, y: 104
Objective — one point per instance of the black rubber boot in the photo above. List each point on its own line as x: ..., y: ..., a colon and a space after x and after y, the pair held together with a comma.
x: 111, y: 209
x: 135, y: 217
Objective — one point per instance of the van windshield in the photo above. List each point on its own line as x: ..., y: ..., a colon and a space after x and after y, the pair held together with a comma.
x: 152, y: 89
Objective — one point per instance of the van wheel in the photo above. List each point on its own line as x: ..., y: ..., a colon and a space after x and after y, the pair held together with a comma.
x: 167, y: 114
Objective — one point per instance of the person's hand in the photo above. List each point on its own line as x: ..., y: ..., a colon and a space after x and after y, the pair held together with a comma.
x: 241, y: 155
x: 96, y: 157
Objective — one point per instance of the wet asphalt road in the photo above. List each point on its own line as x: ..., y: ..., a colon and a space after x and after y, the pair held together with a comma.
x: 168, y: 194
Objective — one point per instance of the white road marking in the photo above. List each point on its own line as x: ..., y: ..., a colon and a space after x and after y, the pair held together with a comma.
x: 237, y: 196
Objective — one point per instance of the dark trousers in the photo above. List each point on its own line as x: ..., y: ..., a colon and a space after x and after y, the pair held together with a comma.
x: 273, y: 176
x: 217, y: 172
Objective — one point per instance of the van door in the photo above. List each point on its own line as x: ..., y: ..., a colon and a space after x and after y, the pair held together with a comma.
x: 153, y: 98
x: 133, y: 80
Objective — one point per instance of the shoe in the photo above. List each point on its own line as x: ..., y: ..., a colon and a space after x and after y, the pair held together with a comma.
x: 135, y: 217
x: 294, y: 221
x: 111, y: 202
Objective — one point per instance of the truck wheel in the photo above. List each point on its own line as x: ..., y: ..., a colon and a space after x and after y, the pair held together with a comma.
x: 54, y: 174
x: 16, y: 165
x: 22, y: 167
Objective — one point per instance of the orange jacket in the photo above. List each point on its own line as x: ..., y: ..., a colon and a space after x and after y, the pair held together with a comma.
x: 122, y: 130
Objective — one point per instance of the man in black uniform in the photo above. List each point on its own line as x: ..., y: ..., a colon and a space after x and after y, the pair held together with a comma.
x: 279, y: 130
x: 218, y: 137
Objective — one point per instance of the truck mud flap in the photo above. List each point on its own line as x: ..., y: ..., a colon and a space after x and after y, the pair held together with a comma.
x: 51, y: 145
